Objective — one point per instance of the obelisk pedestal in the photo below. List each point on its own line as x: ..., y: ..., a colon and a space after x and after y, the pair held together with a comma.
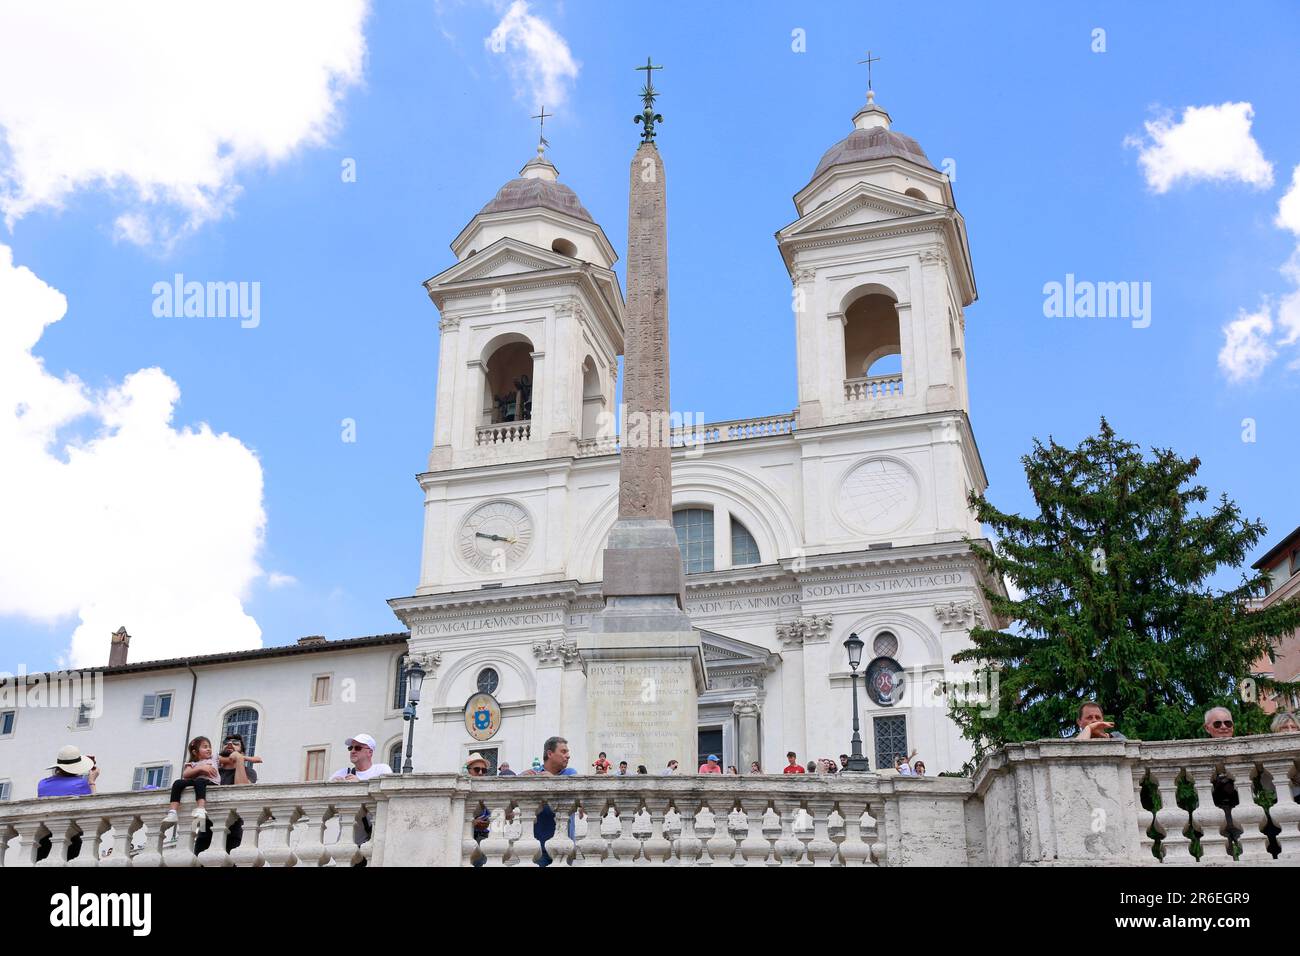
x: 643, y: 661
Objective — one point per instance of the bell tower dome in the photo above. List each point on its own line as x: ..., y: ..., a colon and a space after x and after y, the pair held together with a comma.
x: 531, y: 327
x: 881, y: 267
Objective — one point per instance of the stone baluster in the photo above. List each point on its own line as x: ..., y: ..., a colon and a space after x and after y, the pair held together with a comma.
x: 821, y: 849
x: 772, y: 833
x: 273, y: 837
x: 496, y: 844
x: 345, y: 851
x: 1171, y: 819
x: 706, y: 825
x: 1248, y: 817
x: 626, y: 847
x: 150, y: 853
x: 853, y: 849
x: 525, y: 849
x: 215, y: 854
x: 871, y: 831
x: 61, y: 830
x: 92, y: 830
x: 755, y: 847
x: 7, y: 833
x: 1146, y: 818
x: 1209, y: 820
x: 590, y: 850
x: 248, y: 852
x: 657, y: 850
x: 721, y: 845
x: 789, y: 848
x: 123, y: 827
x: 178, y: 850
x: 1285, y: 813
x: 468, y: 845
x: 805, y: 833
x: 311, y: 848
x: 560, y: 848
x: 687, y: 845
x: 29, y: 833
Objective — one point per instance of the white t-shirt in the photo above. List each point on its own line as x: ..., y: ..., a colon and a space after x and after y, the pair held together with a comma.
x: 376, y: 770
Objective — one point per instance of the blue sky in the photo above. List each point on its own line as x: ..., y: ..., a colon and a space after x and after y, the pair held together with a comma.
x: 1035, y: 121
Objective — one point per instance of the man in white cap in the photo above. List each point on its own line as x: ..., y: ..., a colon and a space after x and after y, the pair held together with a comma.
x: 361, y: 753
x: 74, y: 775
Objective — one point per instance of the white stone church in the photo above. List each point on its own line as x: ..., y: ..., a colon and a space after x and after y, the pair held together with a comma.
x: 797, y: 527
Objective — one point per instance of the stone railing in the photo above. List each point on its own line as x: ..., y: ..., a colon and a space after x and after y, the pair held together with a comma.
x: 1219, y: 801
x: 262, y: 825
x: 1118, y: 801
x: 687, y: 436
x: 503, y: 433
x: 702, y: 820
x: 873, y: 387
x: 1048, y: 802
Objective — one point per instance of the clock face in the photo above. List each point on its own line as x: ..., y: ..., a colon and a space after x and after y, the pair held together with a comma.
x: 495, y: 538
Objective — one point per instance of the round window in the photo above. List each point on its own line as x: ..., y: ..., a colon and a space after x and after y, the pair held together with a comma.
x: 885, y: 645
x: 488, y: 681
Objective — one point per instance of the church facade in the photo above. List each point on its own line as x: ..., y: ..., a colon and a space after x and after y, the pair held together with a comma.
x: 847, y: 514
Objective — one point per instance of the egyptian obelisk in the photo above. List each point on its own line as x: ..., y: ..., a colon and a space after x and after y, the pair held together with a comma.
x: 644, y: 665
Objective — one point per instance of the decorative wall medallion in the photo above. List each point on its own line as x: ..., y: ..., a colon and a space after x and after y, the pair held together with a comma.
x: 878, y: 496
x: 495, y: 537
x: 885, y: 681
x: 482, y: 716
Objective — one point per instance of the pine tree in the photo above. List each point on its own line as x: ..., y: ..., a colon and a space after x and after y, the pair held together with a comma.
x: 1117, y: 606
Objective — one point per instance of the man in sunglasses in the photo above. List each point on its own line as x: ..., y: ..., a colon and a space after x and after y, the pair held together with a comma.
x: 1218, y: 722
x: 361, y: 754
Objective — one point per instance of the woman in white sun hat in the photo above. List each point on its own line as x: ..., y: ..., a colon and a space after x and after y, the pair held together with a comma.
x: 74, y: 775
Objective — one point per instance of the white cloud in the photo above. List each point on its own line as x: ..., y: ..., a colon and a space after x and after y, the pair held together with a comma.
x: 165, y: 102
x: 1246, y: 350
x: 538, y: 57
x: 140, y: 524
x: 276, y: 580
x: 1209, y: 143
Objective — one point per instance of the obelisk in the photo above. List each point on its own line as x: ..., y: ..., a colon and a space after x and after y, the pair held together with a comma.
x: 644, y: 665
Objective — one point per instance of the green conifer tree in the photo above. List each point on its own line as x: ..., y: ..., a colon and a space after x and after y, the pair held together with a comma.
x: 1117, y: 605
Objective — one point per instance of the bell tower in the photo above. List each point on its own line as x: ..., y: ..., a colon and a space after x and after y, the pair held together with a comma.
x: 531, y: 327
x: 881, y: 270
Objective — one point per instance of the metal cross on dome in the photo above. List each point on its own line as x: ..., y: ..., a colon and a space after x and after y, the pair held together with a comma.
x: 648, y: 117
x: 868, y: 61
x: 541, y: 130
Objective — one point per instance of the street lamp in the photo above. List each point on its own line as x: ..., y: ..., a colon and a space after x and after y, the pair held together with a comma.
x: 414, y: 681
x: 857, y: 762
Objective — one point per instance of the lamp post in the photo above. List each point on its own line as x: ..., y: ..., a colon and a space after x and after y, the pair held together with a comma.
x: 414, y: 681
x: 857, y: 762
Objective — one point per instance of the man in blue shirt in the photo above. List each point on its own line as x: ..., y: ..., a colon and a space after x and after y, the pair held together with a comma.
x: 555, y: 761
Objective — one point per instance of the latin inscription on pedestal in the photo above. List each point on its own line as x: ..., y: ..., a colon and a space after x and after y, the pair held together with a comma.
x: 643, y: 712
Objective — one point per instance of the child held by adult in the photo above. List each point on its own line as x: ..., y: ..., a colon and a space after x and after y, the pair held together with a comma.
x: 200, y: 772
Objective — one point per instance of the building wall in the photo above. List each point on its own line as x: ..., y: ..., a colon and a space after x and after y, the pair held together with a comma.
x: 279, y: 688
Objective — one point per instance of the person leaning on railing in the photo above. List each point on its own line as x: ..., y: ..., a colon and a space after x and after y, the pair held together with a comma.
x: 1093, y: 724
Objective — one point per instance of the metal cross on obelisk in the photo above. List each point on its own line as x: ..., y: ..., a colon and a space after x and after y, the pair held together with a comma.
x: 644, y: 666
x: 648, y: 117
x: 868, y: 61
x: 541, y: 130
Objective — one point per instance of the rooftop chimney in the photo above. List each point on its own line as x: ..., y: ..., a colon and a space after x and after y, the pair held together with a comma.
x: 117, y: 649
x: 312, y: 639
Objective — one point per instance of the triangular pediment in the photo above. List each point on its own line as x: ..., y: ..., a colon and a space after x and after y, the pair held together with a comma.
x: 860, y: 204
x: 505, y: 257
x: 721, y: 651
